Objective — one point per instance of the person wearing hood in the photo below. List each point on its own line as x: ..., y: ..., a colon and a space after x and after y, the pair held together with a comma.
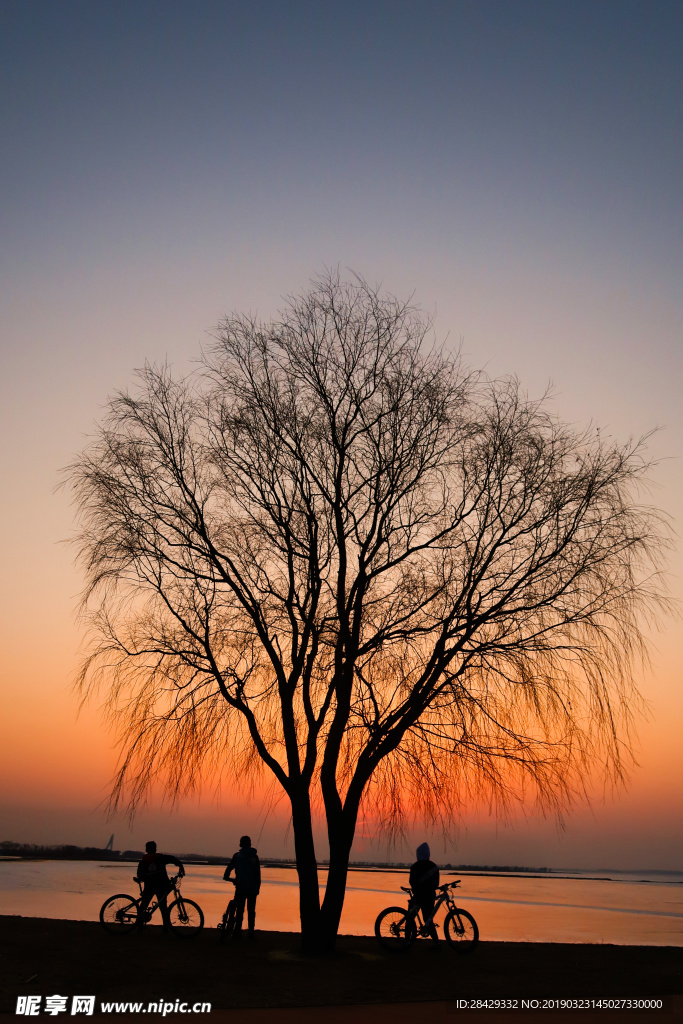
x: 245, y: 864
x: 424, y: 881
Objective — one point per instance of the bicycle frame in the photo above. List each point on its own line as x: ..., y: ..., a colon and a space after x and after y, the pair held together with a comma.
x: 226, y: 924
x: 154, y: 905
x: 415, y: 910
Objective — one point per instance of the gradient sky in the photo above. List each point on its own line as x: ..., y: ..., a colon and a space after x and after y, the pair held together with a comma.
x: 517, y: 165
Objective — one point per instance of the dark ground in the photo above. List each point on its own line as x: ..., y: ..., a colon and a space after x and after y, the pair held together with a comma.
x: 47, y: 957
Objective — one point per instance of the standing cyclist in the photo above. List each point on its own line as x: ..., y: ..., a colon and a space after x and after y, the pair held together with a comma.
x: 155, y: 882
x: 245, y: 864
x: 424, y: 881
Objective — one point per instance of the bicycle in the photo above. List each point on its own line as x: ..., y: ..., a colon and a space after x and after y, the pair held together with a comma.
x: 396, y: 929
x: 227, y: 923
x: 119, y: 914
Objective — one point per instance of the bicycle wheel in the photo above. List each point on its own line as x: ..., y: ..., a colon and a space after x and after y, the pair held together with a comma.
x: 227, y: 925
x: 395, y: 930
x: 186, y: 917
x: 119, y: 914
x: 461, y: 931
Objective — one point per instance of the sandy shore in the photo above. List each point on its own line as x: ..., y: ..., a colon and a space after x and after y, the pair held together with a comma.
x: 248, y: 980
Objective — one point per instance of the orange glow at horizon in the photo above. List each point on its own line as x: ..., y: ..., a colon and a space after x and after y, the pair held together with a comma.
x: 51, y: 756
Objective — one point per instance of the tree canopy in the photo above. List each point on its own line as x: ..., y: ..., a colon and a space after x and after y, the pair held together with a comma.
x: 337, y: 556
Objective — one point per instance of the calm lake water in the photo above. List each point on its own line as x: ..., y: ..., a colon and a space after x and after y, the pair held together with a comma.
x: 628, y: 910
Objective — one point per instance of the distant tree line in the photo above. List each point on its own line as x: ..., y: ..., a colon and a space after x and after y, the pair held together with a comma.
x: 68, y: 852
x: 61, y: 852
x: 36, y: 851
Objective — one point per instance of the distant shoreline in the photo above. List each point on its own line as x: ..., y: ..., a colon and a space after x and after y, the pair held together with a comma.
x: 474, y: 871
x: 64, y: 851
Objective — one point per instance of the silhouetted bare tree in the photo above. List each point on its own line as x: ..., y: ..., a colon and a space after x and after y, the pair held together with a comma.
x: 335, y: 555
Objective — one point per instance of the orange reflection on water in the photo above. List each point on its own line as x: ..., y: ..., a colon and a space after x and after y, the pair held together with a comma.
x: 546, y: 909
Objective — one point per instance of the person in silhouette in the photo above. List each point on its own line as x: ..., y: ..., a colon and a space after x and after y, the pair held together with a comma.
x: 155, y: 882
x: 245, y: 864
x: 424, y: 881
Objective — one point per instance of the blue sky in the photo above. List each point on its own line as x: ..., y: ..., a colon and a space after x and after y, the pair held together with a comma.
x: 183, y: 128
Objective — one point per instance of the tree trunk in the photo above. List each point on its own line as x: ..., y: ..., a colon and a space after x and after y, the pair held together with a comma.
x: 341, y: 839
x: 307, y: 870
x: 320, y: 924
